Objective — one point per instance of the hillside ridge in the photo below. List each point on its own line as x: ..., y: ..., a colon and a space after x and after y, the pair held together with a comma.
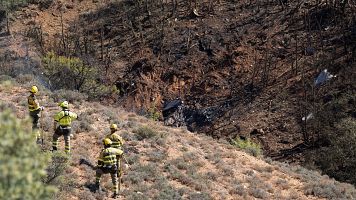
x: 238, y: 66
x: 218, y: 169
x: 244, y: 70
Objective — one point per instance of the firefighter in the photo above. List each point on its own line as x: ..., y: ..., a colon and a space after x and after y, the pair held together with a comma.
x: 107, y: 164
x: 117, y: 142
x: 35, y: 110
x: 64, y: 118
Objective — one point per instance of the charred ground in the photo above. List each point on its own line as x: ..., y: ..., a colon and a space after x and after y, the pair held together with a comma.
x: 239, y: 66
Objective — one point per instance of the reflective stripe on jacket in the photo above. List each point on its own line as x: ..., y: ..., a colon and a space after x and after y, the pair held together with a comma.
x: 117, y: 141
x: 33, y: 103
x: 108, y: 157
x: 65, y: 117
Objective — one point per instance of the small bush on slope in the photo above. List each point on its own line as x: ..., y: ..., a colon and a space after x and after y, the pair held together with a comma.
x: 69, y: 95
x: 144, y: 132
x: 248, y: 146
x: 22, y: 164
x: 317, y: 185
x: 73, y: 74
x: 339, y: 159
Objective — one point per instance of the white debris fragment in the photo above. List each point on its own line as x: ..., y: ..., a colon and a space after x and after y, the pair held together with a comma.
x: 309, y: 116
x: 323, y: 77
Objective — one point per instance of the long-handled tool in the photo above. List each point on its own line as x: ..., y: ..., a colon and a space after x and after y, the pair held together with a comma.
x: 119, y: 173
x: 41, y: 130
x: 127, y: 162
x: 121, y: 168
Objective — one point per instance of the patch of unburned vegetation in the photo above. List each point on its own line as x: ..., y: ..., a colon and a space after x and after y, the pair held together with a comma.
x: 144, y: 132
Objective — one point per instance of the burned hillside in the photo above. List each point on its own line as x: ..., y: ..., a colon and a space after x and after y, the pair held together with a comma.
x: 238, y: 66
x: 234, y: 61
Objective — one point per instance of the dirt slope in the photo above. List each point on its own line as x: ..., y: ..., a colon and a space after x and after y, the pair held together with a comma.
x: 248, y: 65
x: 168, y: 163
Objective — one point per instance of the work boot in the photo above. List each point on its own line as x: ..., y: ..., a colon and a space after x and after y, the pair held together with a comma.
x: 115, y: 196
x: 38, y: 141
x: 54, y: 149
x: 97, y: 187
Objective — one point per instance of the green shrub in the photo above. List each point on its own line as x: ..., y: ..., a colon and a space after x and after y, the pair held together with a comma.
x: 153, y: 113
x: 55, y: 170
x: 144, y: 132
x: 5, y: 78
x: 238, y: 189
x: 157, y: 156
x: 69, y: 95
x: 339, y: 159
x: 180, y: 163
x: 166, y: 191
x: 47, y: 123
x: 84, y: 124
x: 258, y: 193
x: 66, y: 72
x: 22, y: 165
x: 112, y: 116
x: 25, y: 78
x: 8, y: 105
x: 329, y: 190
x: 140, y: 172
x: 12, y: 5
x: 199, y: 196
x: 6, y: 85
x: 74, y: 74
x: 248, y: 146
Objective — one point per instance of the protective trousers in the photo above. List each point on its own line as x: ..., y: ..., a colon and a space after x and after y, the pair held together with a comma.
x: 113, y: 172
x: 65, y: 131
x: 35, y: 116
x: 119, y: 167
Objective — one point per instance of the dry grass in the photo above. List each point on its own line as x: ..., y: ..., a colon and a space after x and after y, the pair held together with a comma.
x: 170, y: 163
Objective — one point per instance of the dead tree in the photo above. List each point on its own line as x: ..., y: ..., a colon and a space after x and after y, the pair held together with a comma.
x: 63, y: 36
x: 7, y: 23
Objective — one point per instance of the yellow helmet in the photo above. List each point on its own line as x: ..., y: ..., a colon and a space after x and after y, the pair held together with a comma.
x: 34, y: 89
x: 113, y: 127
x: 107, y: 142
x: 64, y: 104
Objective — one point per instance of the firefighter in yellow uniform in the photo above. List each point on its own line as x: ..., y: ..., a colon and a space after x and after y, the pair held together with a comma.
x: 117, y: 142
x: 107, y: 164
x: 64, y: 118
x: 35, y: 110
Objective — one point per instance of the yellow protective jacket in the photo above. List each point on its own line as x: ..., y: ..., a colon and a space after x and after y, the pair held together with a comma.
x: 33, y: 104
x: 65, y: 117
x: 117, y: 141
x: 108, y: 156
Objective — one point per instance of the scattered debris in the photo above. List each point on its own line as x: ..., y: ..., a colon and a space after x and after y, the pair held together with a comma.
x: 323, y: 77
x: 195, y: 13
x: 173, y: 113
x: 176, y: 113
x: 309, y: 116
x: 257, y: 132
x: 309, y: 51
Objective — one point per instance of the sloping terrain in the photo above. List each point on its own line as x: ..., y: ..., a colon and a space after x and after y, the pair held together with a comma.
x: 166, y: 163
x: 241, y: 66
